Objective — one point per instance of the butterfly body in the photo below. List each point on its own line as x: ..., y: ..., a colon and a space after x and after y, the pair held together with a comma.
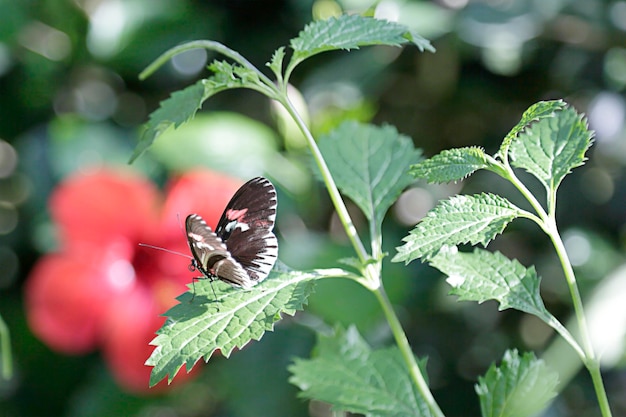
x: 243, y: 248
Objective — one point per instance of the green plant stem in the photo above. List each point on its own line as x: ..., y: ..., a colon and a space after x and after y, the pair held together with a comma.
x: 509, y: 175
x: 202, y: 44
x: 407, y: 353
x: 573, y: 288
x: 335, y: 197
x: 548, y: 224
x: 372, y: 271
x: 590, y: 361
x: 5, y: 350
x: 598, y: 385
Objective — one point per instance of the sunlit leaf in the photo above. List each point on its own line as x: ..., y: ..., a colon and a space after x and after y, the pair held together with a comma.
x: 227, y: 319
x: 550, y: 148
x: 461, y: 219
x: 538, y: 111
x: 451, y: 165
x: 350, y: 32
x: 483, y: 275
x: 369, y: 164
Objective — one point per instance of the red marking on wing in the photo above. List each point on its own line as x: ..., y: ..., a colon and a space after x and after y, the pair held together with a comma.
x: 236, y: 214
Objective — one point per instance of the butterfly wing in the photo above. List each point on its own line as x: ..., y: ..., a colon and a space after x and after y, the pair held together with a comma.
x: 211, y: 256
x: 246, y: 228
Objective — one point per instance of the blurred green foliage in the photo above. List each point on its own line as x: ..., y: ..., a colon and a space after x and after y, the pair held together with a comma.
x: 70, y: 98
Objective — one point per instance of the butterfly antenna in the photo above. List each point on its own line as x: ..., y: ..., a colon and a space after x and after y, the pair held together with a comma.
x: 165, y: 250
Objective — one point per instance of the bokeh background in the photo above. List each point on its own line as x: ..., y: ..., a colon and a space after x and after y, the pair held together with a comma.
x: 71, y: 103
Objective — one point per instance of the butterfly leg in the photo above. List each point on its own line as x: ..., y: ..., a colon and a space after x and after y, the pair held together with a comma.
x: 193, y: 284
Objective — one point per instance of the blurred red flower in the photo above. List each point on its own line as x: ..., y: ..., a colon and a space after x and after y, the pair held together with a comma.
x: 101, y: 289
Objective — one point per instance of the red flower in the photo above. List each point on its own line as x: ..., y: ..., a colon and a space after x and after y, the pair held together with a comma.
x: 104, y: 290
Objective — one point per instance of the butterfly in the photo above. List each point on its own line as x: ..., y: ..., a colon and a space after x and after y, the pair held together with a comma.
x: 243, y: 248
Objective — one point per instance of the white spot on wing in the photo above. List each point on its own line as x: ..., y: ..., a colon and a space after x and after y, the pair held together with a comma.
x: 235, y: 224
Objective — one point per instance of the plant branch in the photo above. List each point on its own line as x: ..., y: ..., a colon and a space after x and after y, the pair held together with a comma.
x: 506, y: 172
x: 590, y: 360
x: 598, y: 384
x: 203, y: 44
x: 335, y: 196
x: 548, y: 224
x: 407, y: 352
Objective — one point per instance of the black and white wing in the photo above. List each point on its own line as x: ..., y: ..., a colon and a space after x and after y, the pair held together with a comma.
x: 246, y: 228
x: 210, y: 254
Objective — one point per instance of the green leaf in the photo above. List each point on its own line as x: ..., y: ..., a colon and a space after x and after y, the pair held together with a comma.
x: 461, y: 219
x: 538, y: 111
x: 483, y: 275
x: 183, y: 105
x: 451, y: 165
x: 369, y: 164
x: 177, y: 109
x: 352, y: 377
x: 201, y: 324
x: 228, y: 76
x: 350, y: 32
x: 276, y: 64
x: 552, y: 147
x: 520, y: 387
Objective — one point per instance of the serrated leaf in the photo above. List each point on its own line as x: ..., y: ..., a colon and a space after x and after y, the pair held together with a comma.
x: 537, y: 111
x: 552, y: 147
x: 195, y: 329
x: 369, y: 164
x: 451, y: 165
x: 228, y: 76
x: 519, y: 387
x: 483, y: 275
x: 352, y: 377
x: 174, y: 111
x: 350, y: 32
x: 182, y: 105
x: 276, y: 64
x: 461, y: 219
